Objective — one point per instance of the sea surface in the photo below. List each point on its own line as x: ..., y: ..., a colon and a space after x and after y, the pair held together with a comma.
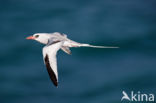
x: 89, y: 75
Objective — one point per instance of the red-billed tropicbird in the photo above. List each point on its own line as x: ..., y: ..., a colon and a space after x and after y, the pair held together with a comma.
x: 54, y: 42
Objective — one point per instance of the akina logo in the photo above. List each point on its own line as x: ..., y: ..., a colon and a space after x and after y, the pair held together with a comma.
x: 137, y: 96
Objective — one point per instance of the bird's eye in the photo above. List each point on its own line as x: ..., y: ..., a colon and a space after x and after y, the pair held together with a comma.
x: 36, y: 36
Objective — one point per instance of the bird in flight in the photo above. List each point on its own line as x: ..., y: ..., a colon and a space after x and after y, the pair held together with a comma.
x: 53, y: 42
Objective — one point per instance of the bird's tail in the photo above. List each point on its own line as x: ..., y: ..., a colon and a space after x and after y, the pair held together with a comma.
x: 93, y: 46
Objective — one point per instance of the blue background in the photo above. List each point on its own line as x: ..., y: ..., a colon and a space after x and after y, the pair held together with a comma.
x: 89, y: 75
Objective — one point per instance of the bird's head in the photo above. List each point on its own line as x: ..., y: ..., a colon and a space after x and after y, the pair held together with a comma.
x: 40, y: 37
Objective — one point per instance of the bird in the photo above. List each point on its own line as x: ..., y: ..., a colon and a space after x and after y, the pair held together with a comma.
x: 54, y: 42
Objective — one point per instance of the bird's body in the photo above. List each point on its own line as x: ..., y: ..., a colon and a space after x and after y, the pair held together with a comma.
x: 54, y: 42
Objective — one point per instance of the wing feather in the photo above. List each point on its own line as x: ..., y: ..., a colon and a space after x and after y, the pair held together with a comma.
x: 49, y: 54
x: 66, y: 49
x: 50, y: 71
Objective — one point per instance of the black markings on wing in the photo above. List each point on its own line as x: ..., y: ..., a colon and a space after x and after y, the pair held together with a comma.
x: 55, y: 42
x: 51, y: 42
x: 50, y: 71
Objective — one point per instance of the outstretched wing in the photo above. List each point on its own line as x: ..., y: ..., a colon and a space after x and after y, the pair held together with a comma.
x: 49, y: 55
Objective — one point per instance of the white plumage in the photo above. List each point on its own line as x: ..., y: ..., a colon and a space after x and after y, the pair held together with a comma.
x: 54, y: 42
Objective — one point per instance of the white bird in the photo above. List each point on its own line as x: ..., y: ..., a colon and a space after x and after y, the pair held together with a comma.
x: 54, y: 42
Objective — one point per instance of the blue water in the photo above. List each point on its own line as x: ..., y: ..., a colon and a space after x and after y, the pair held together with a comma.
x: 88, y: 75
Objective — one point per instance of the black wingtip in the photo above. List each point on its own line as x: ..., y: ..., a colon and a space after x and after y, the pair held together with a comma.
x: 50, y: 71
x: 56, y: 84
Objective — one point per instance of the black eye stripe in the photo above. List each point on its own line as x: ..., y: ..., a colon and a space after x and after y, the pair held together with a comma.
x: 36, y: 36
